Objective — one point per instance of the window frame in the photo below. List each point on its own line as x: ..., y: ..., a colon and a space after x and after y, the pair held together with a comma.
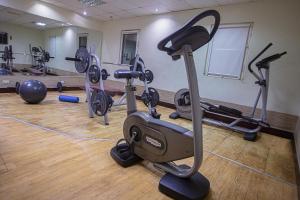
x: 124, y: 32
x: 79, y: 35
x: 209, y: 51
x: 4, y: 38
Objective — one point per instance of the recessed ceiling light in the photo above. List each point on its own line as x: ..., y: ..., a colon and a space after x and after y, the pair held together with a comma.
x: 40, y: 24
x: 156, y: 9
x: 84, y: 13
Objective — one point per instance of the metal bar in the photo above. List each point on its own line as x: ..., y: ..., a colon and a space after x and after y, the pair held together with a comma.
x: 265, y: 91
x: 101, y: 84
x: 118, y: 64
x: 256, y: 103
x: 197, y: 114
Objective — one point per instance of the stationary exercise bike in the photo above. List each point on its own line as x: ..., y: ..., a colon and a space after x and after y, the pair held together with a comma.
x: 161, y: 142
x: 261, y: 74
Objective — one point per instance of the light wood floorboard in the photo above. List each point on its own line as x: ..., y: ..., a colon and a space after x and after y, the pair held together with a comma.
x: 54, y: 151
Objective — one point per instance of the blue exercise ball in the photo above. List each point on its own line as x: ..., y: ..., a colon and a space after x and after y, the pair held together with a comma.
x: 33, y: 91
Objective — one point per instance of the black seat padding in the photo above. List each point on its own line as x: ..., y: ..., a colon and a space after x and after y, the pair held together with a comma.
x: 196, y: 36
x: 126, y: 74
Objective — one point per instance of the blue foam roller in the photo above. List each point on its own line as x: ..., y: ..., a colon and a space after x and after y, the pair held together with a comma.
x: 70, y: 99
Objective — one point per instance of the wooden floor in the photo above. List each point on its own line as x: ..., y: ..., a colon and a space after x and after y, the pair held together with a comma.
x: 54, y: 151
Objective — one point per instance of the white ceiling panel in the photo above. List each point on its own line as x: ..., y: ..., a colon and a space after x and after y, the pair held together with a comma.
x: 228, y: 2
x: 114, y: 9
x: 158, y: 9
x: 124, y: 14
x: 72, y: 3
x: 177, y: 5
x: 144, y: 3
x: 202, y: 3
x: 108, y: 8
x: 124, y: 4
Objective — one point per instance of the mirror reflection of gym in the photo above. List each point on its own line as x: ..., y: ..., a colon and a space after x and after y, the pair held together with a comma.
x: 33, y: 47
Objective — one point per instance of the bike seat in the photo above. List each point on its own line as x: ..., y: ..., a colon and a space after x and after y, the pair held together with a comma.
x: 126, y: 74
x: 195, y: 36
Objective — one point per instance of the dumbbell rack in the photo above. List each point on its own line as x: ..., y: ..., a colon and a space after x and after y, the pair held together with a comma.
x: 89, y: 89
x: 84, y: 60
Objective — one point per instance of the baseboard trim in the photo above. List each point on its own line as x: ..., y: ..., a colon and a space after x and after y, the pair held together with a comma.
x: 297, y: 169
x: 13, y: 90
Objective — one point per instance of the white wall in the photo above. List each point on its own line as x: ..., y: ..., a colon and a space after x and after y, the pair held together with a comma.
x: 67, y: 44
x: 274, y: 21
x: 21, y: 38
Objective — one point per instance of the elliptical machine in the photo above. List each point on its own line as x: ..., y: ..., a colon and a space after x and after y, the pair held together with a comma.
x: 161, y: 142
x: 183, y: 105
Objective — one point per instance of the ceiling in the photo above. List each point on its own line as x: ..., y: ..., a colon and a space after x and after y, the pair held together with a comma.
x: 13, y: 16
x: 117, y: 9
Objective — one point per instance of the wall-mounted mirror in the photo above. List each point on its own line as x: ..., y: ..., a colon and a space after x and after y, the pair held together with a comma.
x: 33, y: 47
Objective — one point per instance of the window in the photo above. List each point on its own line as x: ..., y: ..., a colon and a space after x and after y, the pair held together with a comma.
x: 227, y: 50
x: 83, y: 38
x: 129, y: 46
x: 3, y: 38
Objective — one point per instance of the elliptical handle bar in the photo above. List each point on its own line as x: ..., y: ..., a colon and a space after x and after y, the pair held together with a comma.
x: 258, y: 55
x: 283, y: 53
x: 162, y: 44
x: 270, y: 59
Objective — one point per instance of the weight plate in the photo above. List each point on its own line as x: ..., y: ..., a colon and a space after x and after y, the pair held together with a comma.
x: 99, y: 102
x: 104, y: 74
x: 46, y: 57
x: 152, y: 97
x: 149, y: 76
x: 139, y: 67
x: 94, y: 74
x: 84, y: 56
x: 181, y: 108
x: 110, y: 101
x: 18, y: 87
x: 59, y: 87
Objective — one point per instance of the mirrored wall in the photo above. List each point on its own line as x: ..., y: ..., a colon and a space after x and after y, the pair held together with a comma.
x: 28, y: 43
